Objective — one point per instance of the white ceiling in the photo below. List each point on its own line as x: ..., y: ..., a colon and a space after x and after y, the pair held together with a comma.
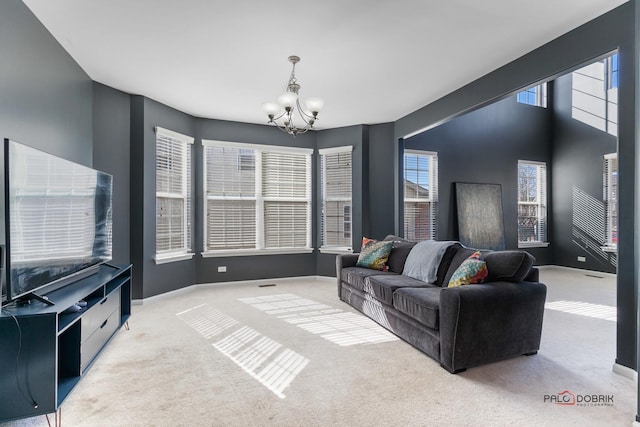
x: 371, y: 61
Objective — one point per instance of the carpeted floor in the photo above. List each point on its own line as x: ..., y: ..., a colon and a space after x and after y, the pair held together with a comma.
x: 294, y: 355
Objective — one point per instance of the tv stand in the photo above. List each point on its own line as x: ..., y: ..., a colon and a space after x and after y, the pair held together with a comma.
x: 26, y: 300
x: 45, y: 350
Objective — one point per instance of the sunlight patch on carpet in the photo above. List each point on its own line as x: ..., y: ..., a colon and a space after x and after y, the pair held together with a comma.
x: 206, y: 321
x: 250, y: 350
x: 338, y: 326
x: 261, y: 357
x: 597, y: 311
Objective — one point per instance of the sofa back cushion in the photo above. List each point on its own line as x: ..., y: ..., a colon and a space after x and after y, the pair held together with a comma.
x: 508, y: 266
x: 447, y: 258
x: 399, y: 253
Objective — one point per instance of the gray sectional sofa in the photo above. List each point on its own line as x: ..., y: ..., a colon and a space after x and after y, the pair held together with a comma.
x: 461, y: 327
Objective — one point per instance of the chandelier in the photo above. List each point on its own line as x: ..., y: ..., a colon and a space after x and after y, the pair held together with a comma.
x: 287, y: 114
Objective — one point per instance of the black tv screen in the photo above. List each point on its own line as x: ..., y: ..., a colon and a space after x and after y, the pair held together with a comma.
x: 58, y: 220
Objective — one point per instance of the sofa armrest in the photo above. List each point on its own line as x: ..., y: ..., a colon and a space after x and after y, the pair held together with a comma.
x: 488, y: 322
x: 344, y: 261
x: 533, y: 276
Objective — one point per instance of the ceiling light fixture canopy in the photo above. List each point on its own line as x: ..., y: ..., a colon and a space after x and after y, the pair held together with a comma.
x: 288, y: 107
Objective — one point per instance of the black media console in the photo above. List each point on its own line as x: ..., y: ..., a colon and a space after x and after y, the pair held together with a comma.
x: 45, y: 350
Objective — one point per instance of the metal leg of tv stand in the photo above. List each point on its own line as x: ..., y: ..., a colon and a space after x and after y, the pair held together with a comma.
x: 57, y: 418
x: 126, y: 325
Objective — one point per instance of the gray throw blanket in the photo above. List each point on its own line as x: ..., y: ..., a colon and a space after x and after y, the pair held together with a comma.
x: 424, y: 259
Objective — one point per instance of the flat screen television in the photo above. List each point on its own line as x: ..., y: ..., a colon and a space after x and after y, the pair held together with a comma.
x: 57, y: 221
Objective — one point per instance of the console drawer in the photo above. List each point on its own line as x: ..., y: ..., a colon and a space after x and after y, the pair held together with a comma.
x: 90, y: 348
x: 93, y: 318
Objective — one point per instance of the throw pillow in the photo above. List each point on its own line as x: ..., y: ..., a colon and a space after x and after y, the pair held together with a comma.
x: 374, y: 254
x: 472, y: 270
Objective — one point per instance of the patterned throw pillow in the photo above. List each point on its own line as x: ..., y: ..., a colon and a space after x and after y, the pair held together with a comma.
x: 472, y: 270
x: 374, y: 254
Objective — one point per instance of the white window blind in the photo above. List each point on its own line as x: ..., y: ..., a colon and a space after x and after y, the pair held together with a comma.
x: 173, y: 193
x: 610, y: 197
x: 336, y: 184
x: 258, y: 197
x: 532, y: 202
x: 420, y: 195
x: 230, y: 194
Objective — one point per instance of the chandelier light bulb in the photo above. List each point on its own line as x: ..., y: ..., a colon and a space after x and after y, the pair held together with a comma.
x: 287, y: 99
x: 315, y: 105
x: 271, y: 108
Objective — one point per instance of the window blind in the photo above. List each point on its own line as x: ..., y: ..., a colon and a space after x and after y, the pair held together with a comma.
x: 258, y: 197
x: 173, y: 192
x: 420, y: 195
x: 230, y: 191
x: 336, y: 177
x: 286, y: 188
x: 532, y: 201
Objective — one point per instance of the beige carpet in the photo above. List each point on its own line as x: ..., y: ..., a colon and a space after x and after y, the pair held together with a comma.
x: 294, y: 355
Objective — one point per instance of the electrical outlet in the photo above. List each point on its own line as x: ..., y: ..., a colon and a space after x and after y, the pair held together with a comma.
x: 582, y: 259
x: 222, y: 269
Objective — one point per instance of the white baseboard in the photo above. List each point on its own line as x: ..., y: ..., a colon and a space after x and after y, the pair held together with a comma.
x: 575, y: 269
x: 625, y: 372
x: 193, y: 287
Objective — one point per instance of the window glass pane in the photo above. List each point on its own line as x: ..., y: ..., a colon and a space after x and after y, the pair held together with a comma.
x: 173, y: 194
x: 336, y: 177
x: 420, y: 195
x: 241, y: 215
x: 531, y: 202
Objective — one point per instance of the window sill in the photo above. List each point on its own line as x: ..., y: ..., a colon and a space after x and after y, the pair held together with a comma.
x: 336, y: 251
x: 610, y: 249
x: 533, y: 244
x: 253, y: 252
x: 164, y: 259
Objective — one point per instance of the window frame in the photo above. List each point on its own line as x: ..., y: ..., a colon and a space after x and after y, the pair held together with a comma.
x: 185, y: 252
x: 433, y: 193
x: 260, y: 199
x: 541, y: 204
x: 347, y: 209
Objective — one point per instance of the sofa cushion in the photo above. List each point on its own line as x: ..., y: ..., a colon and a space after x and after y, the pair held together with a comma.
x: 508, y: 266
x: 382, y: 287
x: 398, y: 256
x: 421, y: 304
x: 472, y: 270
x: 374, y: 254
x: 355, y: 276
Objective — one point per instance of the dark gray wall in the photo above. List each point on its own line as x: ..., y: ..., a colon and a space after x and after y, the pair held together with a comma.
x: 111, y: 151
x: 614, y: 30
x: 484, y: 147
x: 45, y: 97
x: 381, y: 180
x: 246, y: 267
x: 356, y: 136
x: 151, y: 278
x: 578, y: 152
x: 136, y: 199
